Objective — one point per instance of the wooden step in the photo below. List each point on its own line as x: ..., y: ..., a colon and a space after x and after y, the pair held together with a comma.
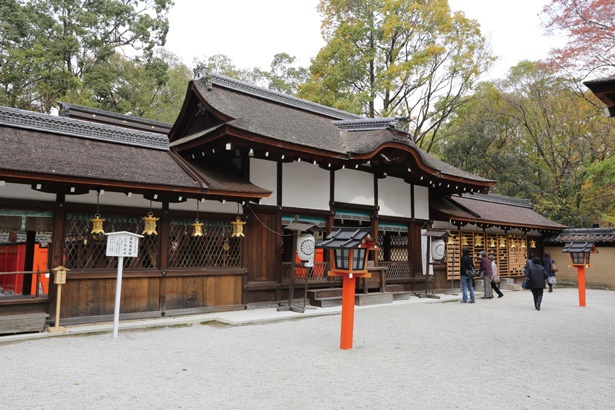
x: 401, y: 295
x: 395, y: 288
x: 376, y: 298
x: 327, y: 302
x: 23, y: 323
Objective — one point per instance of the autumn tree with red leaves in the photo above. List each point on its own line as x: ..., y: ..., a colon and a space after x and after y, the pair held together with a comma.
x: 589, y: 26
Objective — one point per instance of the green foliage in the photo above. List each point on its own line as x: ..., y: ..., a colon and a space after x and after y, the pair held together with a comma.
x: 48, y: 48
x: 397, y: 58
x: 283, y: 76
x: 540, y: 140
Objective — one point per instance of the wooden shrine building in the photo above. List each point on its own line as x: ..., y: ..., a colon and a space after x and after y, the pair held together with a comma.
x: 239, y: 165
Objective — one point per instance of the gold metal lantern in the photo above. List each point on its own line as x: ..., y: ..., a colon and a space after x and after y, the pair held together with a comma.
x: 197, y: 228
x: 97, y: 224
x: 237, y: 228
x: 150, y: 224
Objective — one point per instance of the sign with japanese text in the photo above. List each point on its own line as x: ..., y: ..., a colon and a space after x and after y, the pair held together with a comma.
x: 123, y: 244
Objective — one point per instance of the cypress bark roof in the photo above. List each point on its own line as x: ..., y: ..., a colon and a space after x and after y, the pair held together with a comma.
x: 495, y: 210
x: 38, y: 147
x: 219, y: 110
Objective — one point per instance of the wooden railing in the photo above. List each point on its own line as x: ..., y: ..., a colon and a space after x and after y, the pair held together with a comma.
x: 317, y: 273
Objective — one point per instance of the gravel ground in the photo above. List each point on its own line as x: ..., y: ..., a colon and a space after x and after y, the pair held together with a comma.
x: 496, y: 354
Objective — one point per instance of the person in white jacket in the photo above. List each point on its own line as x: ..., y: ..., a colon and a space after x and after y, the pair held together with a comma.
x: 494, y: 271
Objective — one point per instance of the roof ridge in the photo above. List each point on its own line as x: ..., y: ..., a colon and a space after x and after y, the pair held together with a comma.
x: 66, y: 108
x: 368, y: 124
x: 15, y: 117
x: 211, y: 78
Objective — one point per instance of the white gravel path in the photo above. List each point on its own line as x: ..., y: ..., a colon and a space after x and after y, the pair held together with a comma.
x: 496, y: 354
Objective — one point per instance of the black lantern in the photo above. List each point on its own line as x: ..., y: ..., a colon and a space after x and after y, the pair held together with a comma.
x: 349, y: 246
x: 580, y: 252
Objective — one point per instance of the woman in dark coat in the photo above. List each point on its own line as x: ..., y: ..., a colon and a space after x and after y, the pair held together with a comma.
x: 537, y: 276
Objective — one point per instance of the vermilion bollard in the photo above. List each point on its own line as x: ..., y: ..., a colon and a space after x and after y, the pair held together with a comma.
x: 581, y: 280
x: 348, y: 291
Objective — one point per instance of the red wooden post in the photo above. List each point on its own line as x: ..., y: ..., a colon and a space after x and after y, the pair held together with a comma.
x: 581, y: 280
x: 348, y: 291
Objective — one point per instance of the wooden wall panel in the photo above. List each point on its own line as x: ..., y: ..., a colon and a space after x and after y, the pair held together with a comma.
x: 95, y: 297
x: 261, y: 247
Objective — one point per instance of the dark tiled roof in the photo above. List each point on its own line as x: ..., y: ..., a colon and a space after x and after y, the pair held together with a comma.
x: 604, y: 89
x: 303, y: 123
x: 58, y: 155
x: 498, y: 210
x: 210, y: 78
x: 595, y: 235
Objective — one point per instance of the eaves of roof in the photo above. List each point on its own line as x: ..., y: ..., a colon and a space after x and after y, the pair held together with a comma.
x: 595, y: 235
x: 499, y: 211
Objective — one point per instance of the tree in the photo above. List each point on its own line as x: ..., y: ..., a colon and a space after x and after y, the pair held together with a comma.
x: 589, y: 26
x: 48, y: 47
x: 283, y: 76
x: 152, y: 89
x: 397, y: 58
x: 539, y: 139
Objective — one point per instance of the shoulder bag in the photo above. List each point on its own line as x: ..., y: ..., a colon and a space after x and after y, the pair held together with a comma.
x: 526, y: 283
x: 553, y: 266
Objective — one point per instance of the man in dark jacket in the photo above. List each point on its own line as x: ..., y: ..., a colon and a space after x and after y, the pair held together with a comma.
x: 537, y: 276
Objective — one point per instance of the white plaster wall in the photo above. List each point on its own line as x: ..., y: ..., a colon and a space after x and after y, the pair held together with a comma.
x: 354, y: 187
x: 23, y: 191
x: 305, y: 185
x: 113, y: 199
x: 264, y: 174
x: 421, y: 202
x: 207, y: 206
x: 394, y: 197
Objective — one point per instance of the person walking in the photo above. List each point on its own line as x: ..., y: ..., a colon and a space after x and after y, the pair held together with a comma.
x: 485, y: 268
x: 466, y: 281
x: 536, y: 275
x: 496, y: 277
x: 548, y: 264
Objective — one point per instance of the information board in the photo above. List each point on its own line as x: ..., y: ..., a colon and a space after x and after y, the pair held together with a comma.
x: 123, y: 245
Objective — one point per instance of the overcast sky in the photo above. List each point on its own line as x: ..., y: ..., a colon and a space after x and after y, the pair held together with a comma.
x: 251, y: 32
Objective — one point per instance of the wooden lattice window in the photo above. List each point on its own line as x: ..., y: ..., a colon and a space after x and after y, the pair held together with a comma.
x: 215, y: 249
x: 393, y: 247
x: 84, y: 250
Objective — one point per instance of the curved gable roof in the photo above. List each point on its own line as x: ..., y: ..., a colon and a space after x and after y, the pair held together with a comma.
x: 306, y: 130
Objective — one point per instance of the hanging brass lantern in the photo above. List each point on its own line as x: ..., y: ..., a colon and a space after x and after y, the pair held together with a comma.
x: 237, y: 228
x: 513, y: 245
x: 523, y: 245
x: 150, y: 224
x: 479, y: 241
x: 97, y: 225
x: 533, y: 244
x: 197, y: 228
x: 464, y: 240
x: 502, y: 242
x: 492, y: 243
x: 451, y: 240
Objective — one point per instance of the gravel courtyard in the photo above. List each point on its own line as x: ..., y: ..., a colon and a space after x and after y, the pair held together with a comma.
x: 496, y: 354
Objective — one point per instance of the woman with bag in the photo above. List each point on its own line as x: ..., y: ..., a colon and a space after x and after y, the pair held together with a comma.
x: 495, y: 279
x: 550, y: 268
x: 536, y: 276
x: 465, y: 276
x: 486, y: 274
